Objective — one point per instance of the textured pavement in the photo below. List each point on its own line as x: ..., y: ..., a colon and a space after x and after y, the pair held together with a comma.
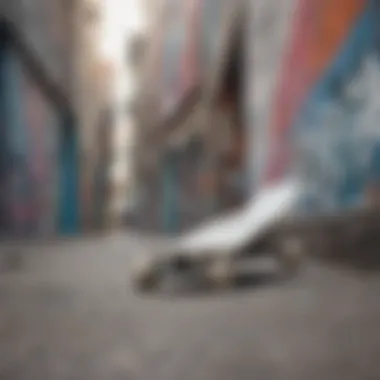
x: 67, y: 312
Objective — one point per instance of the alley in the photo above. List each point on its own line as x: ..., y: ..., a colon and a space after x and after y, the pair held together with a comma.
x: 68, y: 312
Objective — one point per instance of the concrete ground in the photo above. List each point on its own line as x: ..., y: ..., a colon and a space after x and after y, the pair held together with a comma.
x: 68, y: 312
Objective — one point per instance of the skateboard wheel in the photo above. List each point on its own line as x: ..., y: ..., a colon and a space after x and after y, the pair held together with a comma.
x: 145, y: 274
x: 219, y: 273
x: 291, y: 253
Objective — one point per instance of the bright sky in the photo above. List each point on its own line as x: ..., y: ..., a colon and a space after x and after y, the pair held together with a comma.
x: 121, y: 19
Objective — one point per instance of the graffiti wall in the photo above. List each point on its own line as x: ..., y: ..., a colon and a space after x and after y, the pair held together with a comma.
x: 16, y: 180
x: 326, y: 107
x: 30, y: 131
x: 42, y: 128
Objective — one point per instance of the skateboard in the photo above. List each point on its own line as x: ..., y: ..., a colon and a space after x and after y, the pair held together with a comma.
x: 207, y: 255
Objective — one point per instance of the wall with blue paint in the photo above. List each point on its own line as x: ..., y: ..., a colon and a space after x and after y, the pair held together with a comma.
x: 332, y: 137
x: 17, y: 181
x: 68, y: 222
x: 39, y: 171
x: 338, y: 131
x: 3, y: 146
x: 170, y: 191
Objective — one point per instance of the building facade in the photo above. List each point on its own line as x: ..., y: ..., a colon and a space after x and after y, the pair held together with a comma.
x: 323, y: 121
x: 310, y: 71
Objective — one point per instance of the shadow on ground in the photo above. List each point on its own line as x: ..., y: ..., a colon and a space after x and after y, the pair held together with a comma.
x: 364, y: 256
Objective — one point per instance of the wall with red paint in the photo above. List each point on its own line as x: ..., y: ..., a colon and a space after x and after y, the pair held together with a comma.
x: 267, y: 33
x: 324, y: 110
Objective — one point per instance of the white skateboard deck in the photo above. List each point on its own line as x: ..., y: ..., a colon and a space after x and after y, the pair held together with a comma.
x: 234, y: 231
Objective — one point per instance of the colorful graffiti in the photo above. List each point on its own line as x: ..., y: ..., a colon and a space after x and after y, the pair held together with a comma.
x: 38, y: 167
x: 326, y: 108
x: 28, y: 130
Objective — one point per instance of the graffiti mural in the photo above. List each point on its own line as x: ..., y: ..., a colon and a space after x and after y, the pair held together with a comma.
x: 339, y: 145
x: 30, y: 131
x: 327, y: 104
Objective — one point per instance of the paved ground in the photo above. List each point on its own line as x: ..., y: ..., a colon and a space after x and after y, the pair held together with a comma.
x: 68, y: 313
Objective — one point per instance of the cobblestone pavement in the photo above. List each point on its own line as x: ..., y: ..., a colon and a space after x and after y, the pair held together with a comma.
x: 67, y: 312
